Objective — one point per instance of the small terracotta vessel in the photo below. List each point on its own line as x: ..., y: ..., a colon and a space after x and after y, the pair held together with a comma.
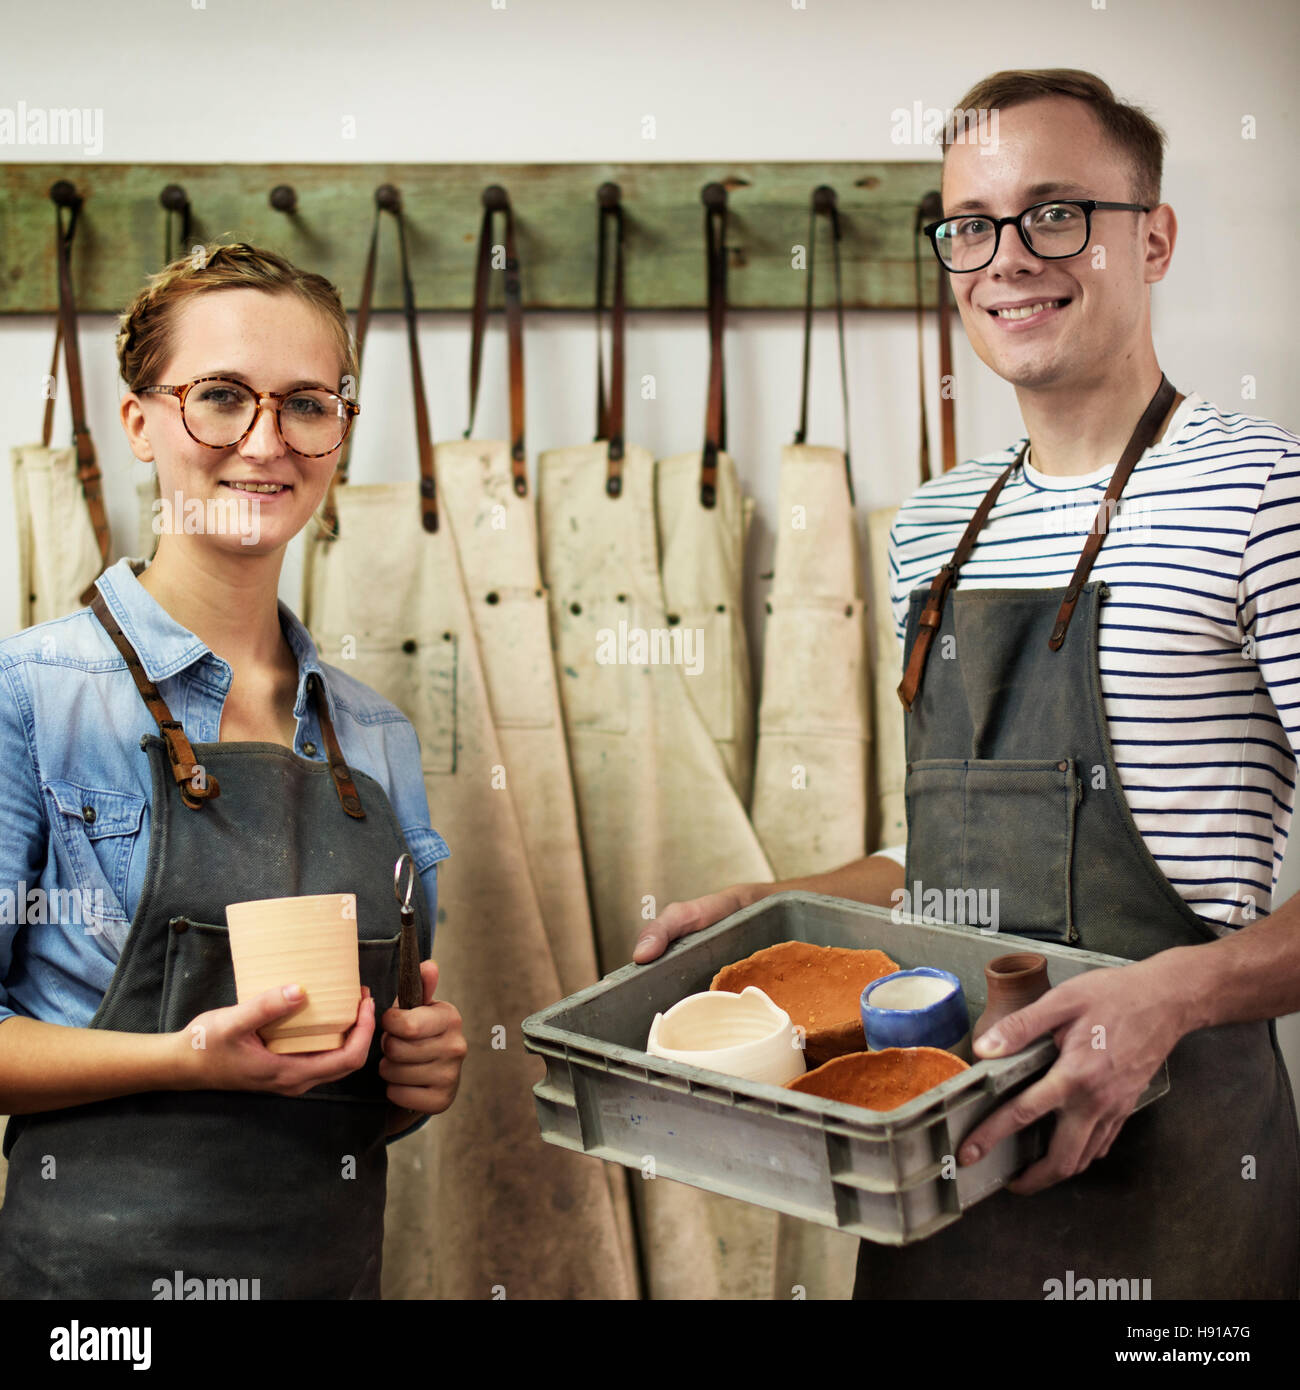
x: 310, y: 941
x: 1013, y: 982
x: 820, y: 987
x: 880, y: 1080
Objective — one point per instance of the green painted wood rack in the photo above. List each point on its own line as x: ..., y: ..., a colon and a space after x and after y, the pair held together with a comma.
x: 323, y: 213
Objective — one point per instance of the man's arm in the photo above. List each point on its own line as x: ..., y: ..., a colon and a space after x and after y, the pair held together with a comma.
x: 871, y: 880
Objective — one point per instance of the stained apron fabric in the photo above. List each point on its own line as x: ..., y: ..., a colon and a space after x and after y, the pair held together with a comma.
x: 660, y: 817
x: 220, y: 1184
x: 58, y: 554
x: 810, y: 800
x: 888, y: 820
x: 810, y: 774
x: 479, y: 1206
x: 496, y: 534
x: 702, y: 566
x: 1009, y: 739
x: 496, y: 540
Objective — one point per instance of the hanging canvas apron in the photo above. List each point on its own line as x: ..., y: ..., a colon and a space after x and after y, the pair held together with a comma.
x: 479, y: 1206
x: 660, y: 818
x: 1200, y: 1192
x: 63, y: 537
x: 704, y: 521
x: 106, y: 1198
x: 810, y: 784
x: 484, y: 488
x: 810, y: 770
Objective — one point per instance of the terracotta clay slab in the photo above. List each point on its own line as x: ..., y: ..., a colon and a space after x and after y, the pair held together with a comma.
x: 820, y: 987
x: 880, y: 1080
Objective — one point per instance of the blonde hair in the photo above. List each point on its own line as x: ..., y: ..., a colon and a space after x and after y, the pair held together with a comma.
x: 1126, y: 126
x: 146, y: 330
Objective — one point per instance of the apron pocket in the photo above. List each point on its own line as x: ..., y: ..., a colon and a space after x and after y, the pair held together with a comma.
x: 706, y: 656
x: 1000, y: 833
x: 815, y: 682
x: 514, y: 622
x: 591, y: 670
x: 417, y: 673
x: 380, y: 965
x: 199, y: 975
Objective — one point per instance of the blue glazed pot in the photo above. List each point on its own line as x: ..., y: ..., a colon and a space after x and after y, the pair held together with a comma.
x: 941, y: 1022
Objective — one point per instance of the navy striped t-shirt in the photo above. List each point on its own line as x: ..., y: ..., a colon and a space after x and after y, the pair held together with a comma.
x: 1199, y: 640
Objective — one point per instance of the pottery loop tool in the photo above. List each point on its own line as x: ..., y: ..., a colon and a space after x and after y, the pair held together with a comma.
x: 410, y: 989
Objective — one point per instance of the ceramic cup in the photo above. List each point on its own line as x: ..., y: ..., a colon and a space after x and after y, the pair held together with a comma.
x: 309, y: 941
x: 922, y: 1007
x: 743, y: 1034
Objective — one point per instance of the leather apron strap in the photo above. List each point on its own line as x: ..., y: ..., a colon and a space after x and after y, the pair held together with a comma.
x: 823, y: 200
x: 197, y: 786
x: 495, y: 199
x: 1140, y: 440
x: 88, y: 473
x: 388, y: 199
x: 610, y: 412
x: 715, y: 420
x: 47, y: 424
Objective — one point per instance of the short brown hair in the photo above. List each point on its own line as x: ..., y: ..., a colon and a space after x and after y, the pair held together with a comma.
x: 1127, y: 126
x: 145, y: 334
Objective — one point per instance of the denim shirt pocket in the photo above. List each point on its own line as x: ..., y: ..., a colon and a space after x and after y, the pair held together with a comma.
x: 98, y: 831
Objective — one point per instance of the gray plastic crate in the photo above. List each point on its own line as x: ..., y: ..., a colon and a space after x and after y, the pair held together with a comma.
x: 874, y: 1174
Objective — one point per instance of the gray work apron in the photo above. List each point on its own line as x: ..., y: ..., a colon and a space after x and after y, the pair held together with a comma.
x: 106, y: 1198
x: 1011, y: 784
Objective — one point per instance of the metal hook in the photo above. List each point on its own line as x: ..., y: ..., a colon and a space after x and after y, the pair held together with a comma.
x: 403, y: 899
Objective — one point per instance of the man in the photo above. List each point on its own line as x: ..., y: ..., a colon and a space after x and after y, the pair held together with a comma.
x: 1111, y: 745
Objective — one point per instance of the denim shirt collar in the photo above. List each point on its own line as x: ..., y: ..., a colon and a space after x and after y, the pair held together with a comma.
x: 166, y: 648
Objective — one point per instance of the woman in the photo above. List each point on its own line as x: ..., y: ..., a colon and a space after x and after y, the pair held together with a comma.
x: 183, y: 1149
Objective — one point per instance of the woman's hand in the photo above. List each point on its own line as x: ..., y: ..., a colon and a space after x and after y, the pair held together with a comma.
x: 424, y: 1049
x: 680, y: 919
x: 223, y: 1052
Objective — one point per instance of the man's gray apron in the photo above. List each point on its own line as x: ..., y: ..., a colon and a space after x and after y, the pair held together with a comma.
x: 105, y: 1199
x: 1012, y: 784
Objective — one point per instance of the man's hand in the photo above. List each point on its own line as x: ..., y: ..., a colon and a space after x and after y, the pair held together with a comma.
x: 423, y: 1051
x: 1113, y: 1029
x: 680, y: 919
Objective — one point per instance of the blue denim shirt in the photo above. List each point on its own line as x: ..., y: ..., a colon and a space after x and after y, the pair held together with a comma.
x: 70, y: 724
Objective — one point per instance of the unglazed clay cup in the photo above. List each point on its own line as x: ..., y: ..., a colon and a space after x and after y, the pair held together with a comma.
x: 309, y: 941
x: 743, y: 1034
x: 922, y: 1007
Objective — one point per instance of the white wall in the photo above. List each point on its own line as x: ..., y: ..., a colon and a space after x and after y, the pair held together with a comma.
x: 571, y: 80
